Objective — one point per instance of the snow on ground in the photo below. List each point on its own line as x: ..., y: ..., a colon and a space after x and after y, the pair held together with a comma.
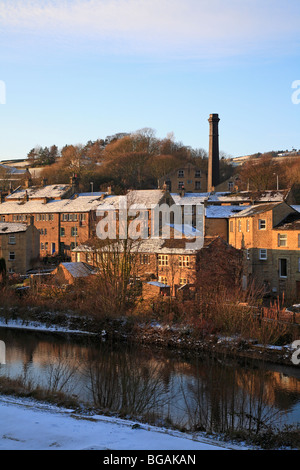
x: 29, y: 425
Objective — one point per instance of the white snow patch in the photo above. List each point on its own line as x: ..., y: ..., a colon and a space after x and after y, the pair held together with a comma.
x: 27, y: 425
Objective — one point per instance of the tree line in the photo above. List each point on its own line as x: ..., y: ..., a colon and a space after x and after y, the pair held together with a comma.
x: 138, y: 160
x: 132, y: 161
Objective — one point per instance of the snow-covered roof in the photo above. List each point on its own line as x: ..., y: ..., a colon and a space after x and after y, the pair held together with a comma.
x: 147, y: 197
x: 77, y: 203
x: 50, y: 191
x: 157, y: 284
x: 11, y: 227
x: 78, y: 269
x: 229, y: 197
x: 221, y: 212
x: 256, y: 209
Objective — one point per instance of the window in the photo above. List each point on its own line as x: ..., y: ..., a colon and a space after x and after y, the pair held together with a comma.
x: 12, y: 240
x: 46, y: 246
x: 11, y: 256
x: 230, y: 186
x: 263, y: 254
x: 73, y: 245
x: 163, y: 260
x: 74, y: 232
x: 42, y: 246
x: 62, y: 231
x: 184, y: 261
x: 231, y: 226
x: 197, y: 184
x: 282, y: 267
x: 198, y: 174
x: 180, y: 185
x: 248, y: 226
x: 144, y: 259
x: 262, y: 224
x: 64, y: 217
x: 82, y: 217
x: 180, y: 173
x: 163, y: 280
x: 2, y: 218
x: 282, y: 239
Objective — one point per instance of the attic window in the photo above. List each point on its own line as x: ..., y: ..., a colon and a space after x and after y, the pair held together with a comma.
x: 262, y: 224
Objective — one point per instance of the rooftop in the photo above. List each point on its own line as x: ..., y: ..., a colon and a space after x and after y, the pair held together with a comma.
x: 79, y: 269
x: 291, y: 222
x: 11, y: 227
x: 257, y: 209
x: 53, y: 191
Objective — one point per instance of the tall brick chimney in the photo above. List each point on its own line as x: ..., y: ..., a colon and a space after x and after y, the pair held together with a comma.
x: 213, y: 157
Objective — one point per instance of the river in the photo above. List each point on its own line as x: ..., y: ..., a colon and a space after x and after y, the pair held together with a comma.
x: 191, y: 392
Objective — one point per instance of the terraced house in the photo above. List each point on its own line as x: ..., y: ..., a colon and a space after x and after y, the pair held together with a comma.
x: 269, y: 235
x: 19, y: 246
x: 63, y: 217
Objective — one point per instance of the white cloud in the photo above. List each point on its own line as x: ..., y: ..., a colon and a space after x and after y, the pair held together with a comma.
x: 194, y: 27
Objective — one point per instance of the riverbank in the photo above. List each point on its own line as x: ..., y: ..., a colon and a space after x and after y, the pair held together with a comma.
x: 64, y: 326
x: 29, y: 425
x: 177, y: 338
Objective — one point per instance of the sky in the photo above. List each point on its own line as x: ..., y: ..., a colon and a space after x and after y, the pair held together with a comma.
x: 78, y: 70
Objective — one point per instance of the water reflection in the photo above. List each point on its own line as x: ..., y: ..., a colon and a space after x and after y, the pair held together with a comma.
x: 200, y: 393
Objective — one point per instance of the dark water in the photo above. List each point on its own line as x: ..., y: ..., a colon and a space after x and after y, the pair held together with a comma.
x: 194, y: 393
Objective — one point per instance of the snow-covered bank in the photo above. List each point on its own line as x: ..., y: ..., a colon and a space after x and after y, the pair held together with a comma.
x: 28, y: 425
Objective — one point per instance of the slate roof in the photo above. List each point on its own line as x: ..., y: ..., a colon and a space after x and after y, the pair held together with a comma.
x: 11, y: 227
x: 291, y: 222
x: 79, y: 269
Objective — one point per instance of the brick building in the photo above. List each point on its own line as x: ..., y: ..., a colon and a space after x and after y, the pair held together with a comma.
x: 63, y: 217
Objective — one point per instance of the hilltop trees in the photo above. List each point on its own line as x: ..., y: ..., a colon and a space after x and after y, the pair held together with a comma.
x: 124, y: 161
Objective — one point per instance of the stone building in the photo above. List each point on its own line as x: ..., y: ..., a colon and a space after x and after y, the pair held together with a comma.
x: 167, y: 262
x: 269, y: 235
x: 188, y: 178
x: 19, y: 246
